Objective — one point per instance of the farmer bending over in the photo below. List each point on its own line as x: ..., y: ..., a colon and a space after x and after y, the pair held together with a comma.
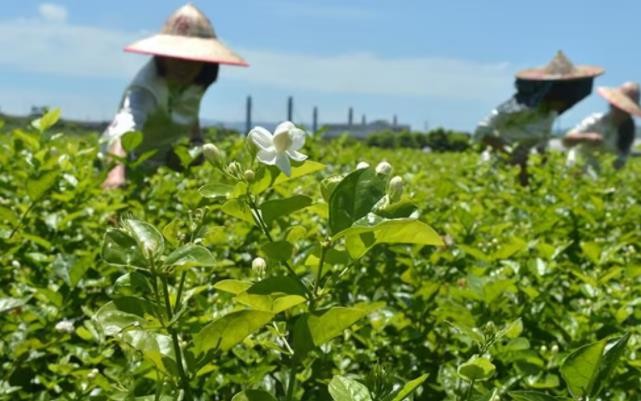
x: 163, y: 100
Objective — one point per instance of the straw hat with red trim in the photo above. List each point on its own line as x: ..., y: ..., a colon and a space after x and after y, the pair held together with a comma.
x: 625, y: 97
x: 189, y: 35
x: 558, y: 69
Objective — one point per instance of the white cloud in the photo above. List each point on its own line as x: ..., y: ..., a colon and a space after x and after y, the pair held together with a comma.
x: 69, y: 51
x: 52, y: 12
x: 366, y: 73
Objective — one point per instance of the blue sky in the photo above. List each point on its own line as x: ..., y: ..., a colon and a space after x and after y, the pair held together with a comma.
x: 434, y: 63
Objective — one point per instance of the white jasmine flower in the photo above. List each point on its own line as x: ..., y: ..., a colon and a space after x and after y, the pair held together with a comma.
x: 362, y: 165
x: 259, y: 266
x: 65, y: 326
x: 278, y: 148
x: 384, y: 168
x: 395, y: 189
x: 213, y: 155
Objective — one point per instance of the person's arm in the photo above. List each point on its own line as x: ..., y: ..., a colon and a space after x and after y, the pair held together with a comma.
x: 116, y: 177
x: 585, y: 132
x: 574, y: 138
x: 487, y: 132
x: 137, y: 104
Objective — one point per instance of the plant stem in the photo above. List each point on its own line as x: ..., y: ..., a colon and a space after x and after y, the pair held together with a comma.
x: 24, y: 215
x: 174, y: 339
x: 319, y: 275
x: 179, y: 294
x: 291, y: 383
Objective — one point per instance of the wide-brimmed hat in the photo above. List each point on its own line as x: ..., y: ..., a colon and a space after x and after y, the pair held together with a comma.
x: 560, y: 68
x: 625, y: 97
x: 189, y: 35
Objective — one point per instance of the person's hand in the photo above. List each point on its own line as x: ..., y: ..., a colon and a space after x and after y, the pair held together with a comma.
x: 115, y: 178
x: 593, y: 138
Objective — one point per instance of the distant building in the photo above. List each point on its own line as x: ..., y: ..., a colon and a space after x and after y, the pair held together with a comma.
x: 37, y: 111
x: 362, y: 131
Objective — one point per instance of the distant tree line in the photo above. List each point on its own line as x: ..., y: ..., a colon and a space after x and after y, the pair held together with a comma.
x: 437, y: 140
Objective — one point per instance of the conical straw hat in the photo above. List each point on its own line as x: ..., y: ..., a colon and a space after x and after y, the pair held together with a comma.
x: 625, y: 97
x: 560, y: 68
x: 189, y: 35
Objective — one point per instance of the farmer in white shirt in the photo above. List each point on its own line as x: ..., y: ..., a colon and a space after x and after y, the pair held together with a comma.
x: 163, y: 100
x: 525, y: 121
x: 612, y: 132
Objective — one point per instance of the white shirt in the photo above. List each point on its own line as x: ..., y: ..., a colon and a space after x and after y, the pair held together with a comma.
x: 600, y: 123
x: 162, y: 113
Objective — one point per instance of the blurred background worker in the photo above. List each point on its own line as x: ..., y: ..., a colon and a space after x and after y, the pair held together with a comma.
x: 525, y: 121
x: 601, y: 133
x: 163, y: 100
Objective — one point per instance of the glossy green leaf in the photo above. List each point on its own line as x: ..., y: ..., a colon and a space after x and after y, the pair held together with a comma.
x: 230, y: 330
x: 354, y: 197
x: 343, y: 389
x: 477, y: 368
x: 38, y: 187
x: 131, y: 140
x: 232, y: 286
x: 361, y: 237
x: 238, y: 209
x: 278, y: 251
x: 409, y: 388
x: 118, y: 248
x: 580, y: 369
x: 216, y: 191
x: 149, y: 239
x: 534, y: 396
x: 7, y: 304
x: 274, y: 209
x: 613, y: 352
x: 48, y: 120
x: 253, y: 395
x: 190, y: 255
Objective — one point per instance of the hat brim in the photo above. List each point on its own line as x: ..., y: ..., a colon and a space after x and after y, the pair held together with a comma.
x: 579, y: 72
x: 207, y: 50
x: 616, y: 98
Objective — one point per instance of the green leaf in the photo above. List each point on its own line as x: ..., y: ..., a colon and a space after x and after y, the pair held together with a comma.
x: 232, y: 286
x: 36, y: 188
x: 149, y: 239
x: 238, y: 209
x: 253, y: 395
x: 230, y: 330
x: 313, y: 330
x: 593, y: 251
x: 270, y: 303
x: 216, y: 191
x: 70, y: 269
x: 275, y: 295
x: 609, y: 361
x: 278, y: 251
x: 343, y: 389
x: 131, y: 140
x: 118, y: 248
x: 274, y: 209
x: 111, y: 320
x: 361, y: 237
x: 48, y: 120
x: 409, y: 388
x: 581, y: 367
x: 397, y: 210
x: 190, y: 255
x: 354, y: 197
x: 534, y: 396
x: 477, y: 368
x: 6, y: 304
x: 510, y: 249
